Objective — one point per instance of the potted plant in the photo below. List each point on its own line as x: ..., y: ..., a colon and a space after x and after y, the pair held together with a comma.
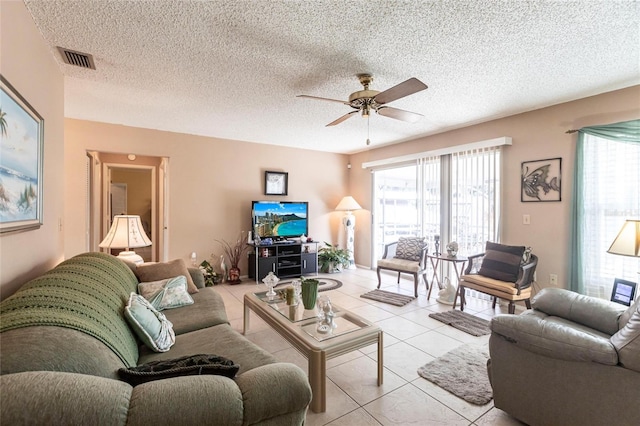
x: 332, y: 259
x: 234, y: 253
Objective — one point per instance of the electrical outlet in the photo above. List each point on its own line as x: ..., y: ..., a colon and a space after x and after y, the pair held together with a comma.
x: 553, y: 279
x: 526, y: 219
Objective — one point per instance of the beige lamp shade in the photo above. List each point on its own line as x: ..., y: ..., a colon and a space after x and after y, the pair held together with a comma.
x: 126, y: 232
x: 348, y: 204
x: 627, y: 243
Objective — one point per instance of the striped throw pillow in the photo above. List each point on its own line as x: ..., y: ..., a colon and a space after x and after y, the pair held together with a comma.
x: 501, y: 262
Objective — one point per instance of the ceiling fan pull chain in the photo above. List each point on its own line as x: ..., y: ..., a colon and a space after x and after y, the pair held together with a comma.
x: 368, y: 141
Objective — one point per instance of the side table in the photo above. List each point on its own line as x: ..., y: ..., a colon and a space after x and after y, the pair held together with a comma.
x: 435, y: 261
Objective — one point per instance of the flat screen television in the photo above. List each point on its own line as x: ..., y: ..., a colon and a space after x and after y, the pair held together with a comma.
x: 280, y: 219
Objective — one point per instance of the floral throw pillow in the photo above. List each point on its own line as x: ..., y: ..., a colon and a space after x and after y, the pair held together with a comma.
x: 166, y: 294
x: 151, y: 326
x: 410, y: 248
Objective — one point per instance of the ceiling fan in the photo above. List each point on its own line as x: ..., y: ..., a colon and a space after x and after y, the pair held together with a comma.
x: 364, y: 101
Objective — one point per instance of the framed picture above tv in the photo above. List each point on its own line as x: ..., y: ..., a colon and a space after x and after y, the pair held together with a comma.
x: 276, y: 183
x: 21, y: 157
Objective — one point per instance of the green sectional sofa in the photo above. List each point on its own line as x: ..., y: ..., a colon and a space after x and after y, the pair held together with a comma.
x: 63, y: 337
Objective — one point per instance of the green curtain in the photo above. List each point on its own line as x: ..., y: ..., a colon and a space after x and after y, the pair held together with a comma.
x: 626, y: 132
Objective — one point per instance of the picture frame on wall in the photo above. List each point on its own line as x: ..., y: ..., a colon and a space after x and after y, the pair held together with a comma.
x: 21, y: 162
x: 276, y: 183
x: 541, y: 180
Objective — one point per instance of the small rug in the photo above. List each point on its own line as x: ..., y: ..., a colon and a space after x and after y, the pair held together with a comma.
x: 463, y: 321
x: 326, y: 284
x: 388, y: 297
x: 462, y: 372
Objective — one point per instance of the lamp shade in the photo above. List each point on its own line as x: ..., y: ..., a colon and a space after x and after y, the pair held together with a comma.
x: 627, y: 243
x: 348, y: 204
x: 126, y: 232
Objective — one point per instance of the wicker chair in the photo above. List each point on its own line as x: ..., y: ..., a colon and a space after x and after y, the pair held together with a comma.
x: 416, y: 268
x: 511, y: 291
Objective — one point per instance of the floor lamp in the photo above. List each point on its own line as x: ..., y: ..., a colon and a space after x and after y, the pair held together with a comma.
x: 126, y: 232
x: 347, y: 205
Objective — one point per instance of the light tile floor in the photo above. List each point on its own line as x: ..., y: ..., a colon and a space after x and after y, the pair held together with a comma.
x: 411, y: 340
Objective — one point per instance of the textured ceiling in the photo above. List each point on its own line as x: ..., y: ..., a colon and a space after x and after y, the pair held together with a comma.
x: 232, y: 69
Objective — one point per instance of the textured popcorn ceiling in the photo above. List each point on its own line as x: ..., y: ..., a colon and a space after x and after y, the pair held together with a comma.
x: 232, y: 69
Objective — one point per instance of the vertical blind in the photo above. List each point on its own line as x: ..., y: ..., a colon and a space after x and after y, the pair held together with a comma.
x: 455, y: 196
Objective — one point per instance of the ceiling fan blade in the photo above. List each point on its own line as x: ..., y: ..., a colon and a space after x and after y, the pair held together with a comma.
x: 341, y: 119
x: 322, y: 99
x: 400, y: 114
x: 406, y: 88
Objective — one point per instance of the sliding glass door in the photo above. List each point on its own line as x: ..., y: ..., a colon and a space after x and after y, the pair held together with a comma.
x: 453, y: 197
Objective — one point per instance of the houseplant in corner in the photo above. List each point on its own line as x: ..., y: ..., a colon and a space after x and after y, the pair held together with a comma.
x: 332, y: 259
x: 234, y: 253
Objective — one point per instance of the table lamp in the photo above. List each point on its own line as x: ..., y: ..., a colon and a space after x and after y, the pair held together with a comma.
x: 126, y: 232
x: 348, y: 204
x: 627, y: 243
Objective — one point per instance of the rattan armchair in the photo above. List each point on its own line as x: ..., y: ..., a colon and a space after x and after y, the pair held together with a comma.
x: 520, y: 290
x: 416, y: 268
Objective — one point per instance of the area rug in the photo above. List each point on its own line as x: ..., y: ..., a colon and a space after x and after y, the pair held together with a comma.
x: 463, y: 321
x: 326, y: 284
x: 388, y: 297
x: 462, y: 372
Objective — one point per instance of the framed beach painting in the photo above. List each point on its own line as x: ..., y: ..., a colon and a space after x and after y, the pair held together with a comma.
x: 21, y: 157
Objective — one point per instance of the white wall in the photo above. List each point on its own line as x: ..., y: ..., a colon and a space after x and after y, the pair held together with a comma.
x: 30, y: 68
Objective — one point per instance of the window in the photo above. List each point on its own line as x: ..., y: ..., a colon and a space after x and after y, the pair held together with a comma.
x: 455, y: 196
x: 610, y: 194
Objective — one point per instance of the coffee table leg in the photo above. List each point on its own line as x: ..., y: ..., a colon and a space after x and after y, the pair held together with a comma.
x: 380, y: 361
x: 245, y: 325
x: 318, y: 381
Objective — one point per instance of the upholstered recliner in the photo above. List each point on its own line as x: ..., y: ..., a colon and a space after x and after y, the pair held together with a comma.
x: 406, y: 256
x: 500, y: 272
x: 571, y: 360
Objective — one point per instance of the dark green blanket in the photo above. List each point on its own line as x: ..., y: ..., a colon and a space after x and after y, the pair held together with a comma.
x: 87, y: 293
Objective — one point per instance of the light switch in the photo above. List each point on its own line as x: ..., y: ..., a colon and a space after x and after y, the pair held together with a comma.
x: 526, y: 219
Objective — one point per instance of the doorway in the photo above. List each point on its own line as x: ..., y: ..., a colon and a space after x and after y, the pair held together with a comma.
x: 128, y: 184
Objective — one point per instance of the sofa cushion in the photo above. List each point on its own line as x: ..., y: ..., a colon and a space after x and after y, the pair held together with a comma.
x: 592, y: 312
x: 148, y: 272
x: 501, y: 261
x: 399, y: 265
x: 555, y: 337
x: 410, y: 248
x: 627, y: 342
x: 166, y: 294
x: 191, y: 365
x: 208, y: 310
x: 221, y: 340
x: 497, y: 286
x: 151, y: 326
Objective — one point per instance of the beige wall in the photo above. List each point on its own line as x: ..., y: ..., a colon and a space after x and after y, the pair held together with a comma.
x: 211, y: 183
x: 27, y: 64
x: 536, y: 135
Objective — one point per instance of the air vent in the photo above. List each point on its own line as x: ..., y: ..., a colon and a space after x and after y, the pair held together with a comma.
x: 79, y: 59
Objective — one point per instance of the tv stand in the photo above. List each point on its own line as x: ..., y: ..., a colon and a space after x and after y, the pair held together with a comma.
x: 285, y: 259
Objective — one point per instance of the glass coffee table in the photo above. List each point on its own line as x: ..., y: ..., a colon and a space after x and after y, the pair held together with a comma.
x: 299, y: 327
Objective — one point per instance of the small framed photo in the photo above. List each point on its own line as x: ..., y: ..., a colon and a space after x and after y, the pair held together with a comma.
x: 540, y: 180
x: 623, y: 292
x: 21, y: 157
x: 276, y: 183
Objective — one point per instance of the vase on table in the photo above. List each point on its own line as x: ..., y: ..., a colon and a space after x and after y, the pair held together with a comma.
x: 310, y: 293
x: 234, y: 275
